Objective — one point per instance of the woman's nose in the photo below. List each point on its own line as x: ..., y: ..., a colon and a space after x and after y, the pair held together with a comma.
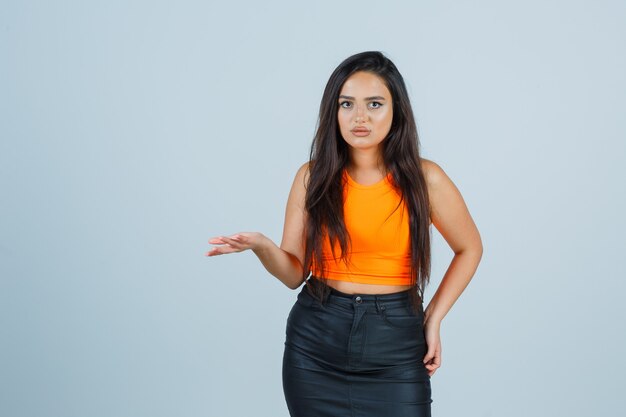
x: 360, y: 113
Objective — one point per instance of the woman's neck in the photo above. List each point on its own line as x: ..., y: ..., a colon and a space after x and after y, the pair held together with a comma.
x: 366, y: 162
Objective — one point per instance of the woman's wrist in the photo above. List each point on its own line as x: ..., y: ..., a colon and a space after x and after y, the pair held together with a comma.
x: 430, y: 319
x: 262, y: 244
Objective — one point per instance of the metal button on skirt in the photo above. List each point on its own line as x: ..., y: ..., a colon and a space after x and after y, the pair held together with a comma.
x: 355, y: 355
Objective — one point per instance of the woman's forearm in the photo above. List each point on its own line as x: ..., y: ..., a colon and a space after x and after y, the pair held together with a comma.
x: 455, y: 280
x: 282, y: 264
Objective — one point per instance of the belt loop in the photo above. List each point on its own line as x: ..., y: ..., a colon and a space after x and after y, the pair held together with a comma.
x: 378, y: 306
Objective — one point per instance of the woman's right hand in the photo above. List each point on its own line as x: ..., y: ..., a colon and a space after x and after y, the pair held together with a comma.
x: 236, y: 243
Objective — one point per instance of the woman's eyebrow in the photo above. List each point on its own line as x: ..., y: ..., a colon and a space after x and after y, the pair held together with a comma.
x: 366, y: 98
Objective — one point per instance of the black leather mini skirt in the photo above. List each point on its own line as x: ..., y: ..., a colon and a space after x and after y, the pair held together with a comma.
x: 355, y: 355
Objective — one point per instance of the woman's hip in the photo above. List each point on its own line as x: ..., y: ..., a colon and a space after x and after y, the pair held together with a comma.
x: 358, y: 332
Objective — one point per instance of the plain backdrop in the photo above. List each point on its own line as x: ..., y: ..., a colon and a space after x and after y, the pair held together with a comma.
x: 133, y: 131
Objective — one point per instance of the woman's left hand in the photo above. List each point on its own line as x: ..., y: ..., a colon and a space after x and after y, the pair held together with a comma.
x: 432, y: 360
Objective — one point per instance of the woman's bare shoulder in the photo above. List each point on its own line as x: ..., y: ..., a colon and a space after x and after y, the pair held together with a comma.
x: 304, y: 167
x: 302, y: 176
x: 433, y: 173
x: 299, y: 185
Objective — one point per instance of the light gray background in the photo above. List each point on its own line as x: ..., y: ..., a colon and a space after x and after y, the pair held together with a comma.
x: 133, y: 131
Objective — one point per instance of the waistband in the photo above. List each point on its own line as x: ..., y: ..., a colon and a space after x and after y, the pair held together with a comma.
x: 394, y: 296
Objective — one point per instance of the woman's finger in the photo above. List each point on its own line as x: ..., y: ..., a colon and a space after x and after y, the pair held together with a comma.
x: 232, y: 242
x: 436, y: 360
x: 240, y: 238
x: 217, y: 239
x: 221, y: 250
x: 429, y: 356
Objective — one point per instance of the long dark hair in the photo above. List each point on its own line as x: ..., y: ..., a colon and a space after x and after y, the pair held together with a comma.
x: 329, y: 156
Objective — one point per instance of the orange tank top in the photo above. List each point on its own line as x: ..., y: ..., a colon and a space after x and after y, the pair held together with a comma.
x: 379, y: 229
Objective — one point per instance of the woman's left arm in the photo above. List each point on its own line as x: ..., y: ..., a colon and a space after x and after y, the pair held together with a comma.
x: 450, y: 216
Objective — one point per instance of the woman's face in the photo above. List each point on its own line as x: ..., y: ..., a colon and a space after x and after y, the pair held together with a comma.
x: 365, y: 104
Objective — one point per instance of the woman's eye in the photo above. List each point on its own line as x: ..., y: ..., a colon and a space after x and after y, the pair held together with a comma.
x: 373, y: 104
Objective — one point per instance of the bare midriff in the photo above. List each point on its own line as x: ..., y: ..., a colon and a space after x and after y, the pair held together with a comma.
x: 357, y: 288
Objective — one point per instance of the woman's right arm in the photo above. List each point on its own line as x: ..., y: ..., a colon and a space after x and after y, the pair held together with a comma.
x: 284, y: 262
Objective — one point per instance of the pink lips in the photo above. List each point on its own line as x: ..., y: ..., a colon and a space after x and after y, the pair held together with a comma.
x: 360, y: 131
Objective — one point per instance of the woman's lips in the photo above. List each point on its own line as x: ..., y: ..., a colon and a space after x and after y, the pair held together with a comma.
x: 360, y: 132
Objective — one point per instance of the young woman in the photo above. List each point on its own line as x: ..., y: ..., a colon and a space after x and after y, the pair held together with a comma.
x: 358, y: 340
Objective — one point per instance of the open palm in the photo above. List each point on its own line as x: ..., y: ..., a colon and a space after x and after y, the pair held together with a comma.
x: 234, y: 243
